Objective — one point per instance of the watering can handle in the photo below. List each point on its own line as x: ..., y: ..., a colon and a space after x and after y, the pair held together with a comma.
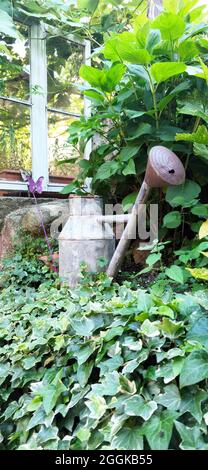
x: 129, y: 232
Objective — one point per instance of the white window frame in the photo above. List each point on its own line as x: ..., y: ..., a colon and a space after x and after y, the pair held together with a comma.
x: 39, y: 109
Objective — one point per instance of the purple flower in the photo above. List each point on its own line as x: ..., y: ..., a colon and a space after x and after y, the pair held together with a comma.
x: 35, y: 186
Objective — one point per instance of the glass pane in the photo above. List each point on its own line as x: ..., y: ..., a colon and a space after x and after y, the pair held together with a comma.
x: 59, y: 149
x: 15, y: 151
x: 14, y: 66
x: 64, y: 61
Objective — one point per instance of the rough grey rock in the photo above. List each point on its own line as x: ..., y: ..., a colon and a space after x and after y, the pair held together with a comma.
x: 13, y: 203
x: 54, y: 214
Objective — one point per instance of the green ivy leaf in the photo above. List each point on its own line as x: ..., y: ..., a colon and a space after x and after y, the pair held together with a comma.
x: 136, y: 406
x: 191, y: 400
x: 150, y: 329
x: 192, y: 438
x: 170, y: 328
x: 195, y: 368
x: 171, y: 399
x: 97, y: 406
x: 158, y: 430
x: 84, y: 372
x: 128, y: 438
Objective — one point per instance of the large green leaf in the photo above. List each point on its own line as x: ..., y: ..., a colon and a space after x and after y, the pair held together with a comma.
x: 128, y: 438
x: 191, y: 400
x: 201, y: 150
x: 7, y: 26
x: 128, y: 201
x: 89, y: 5
x: 172, y: 219
x: 92, y: 75
x: 195, y: 368
x: 111, y: 50
x: 125, y: 48
x: 136, y: 406
x: 47, y: 434
x: 188, y: 49
x: 113, y: 76
x: 142, y: 129
x: 107, y: 169
x: 170, y: 25
x: 150, y: 329
x: 129, y: 53
x: 171, y: 398
x: 192, y: 438
x: 97, y: 406
x: 200, y: 136
x: 52, y: 392
x: 158, y: 430
x: 183, y: 195
x: 105, y: 80
x: 84, y: 372
x: 175, y: 273
x: 145, y: 302
x: 199, y: 331
x: 171, y: 329
x: 40, y: 417
x: 171, y: 95
x: 162, y: 71
x: 129, y: 169
x: 128, y: 152
x: 194, y: 105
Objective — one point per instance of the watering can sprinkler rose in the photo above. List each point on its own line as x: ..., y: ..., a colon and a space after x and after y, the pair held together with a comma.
x: 163, y: 168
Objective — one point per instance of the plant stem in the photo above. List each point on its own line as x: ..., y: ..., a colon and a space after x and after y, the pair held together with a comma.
x: 153, y: 91
x: 40, y: 215
x: 195, y: 127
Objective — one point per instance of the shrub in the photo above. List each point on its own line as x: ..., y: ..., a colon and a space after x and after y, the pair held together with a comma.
x: 148, y: 86
x: 103, y: 366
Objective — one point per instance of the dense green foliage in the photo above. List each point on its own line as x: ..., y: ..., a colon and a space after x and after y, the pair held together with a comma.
x: 109, y: 366
x: 102, y: 366
x: 148, y: 86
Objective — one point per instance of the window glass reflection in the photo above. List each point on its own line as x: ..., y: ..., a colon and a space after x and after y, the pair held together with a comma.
x: 14, y: 66
x: 15, y: 152
x: 59, y: 148
x: 64, y: 61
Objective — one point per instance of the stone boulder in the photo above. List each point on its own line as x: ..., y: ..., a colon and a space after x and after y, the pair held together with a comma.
x: 27, y: 220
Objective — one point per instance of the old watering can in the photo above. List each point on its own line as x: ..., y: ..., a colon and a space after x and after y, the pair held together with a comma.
x: 88, y: 234
x: 84, y: 239
x: 163, y: 168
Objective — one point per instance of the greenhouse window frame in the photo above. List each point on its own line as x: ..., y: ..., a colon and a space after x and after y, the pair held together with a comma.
x: 39, y: 108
